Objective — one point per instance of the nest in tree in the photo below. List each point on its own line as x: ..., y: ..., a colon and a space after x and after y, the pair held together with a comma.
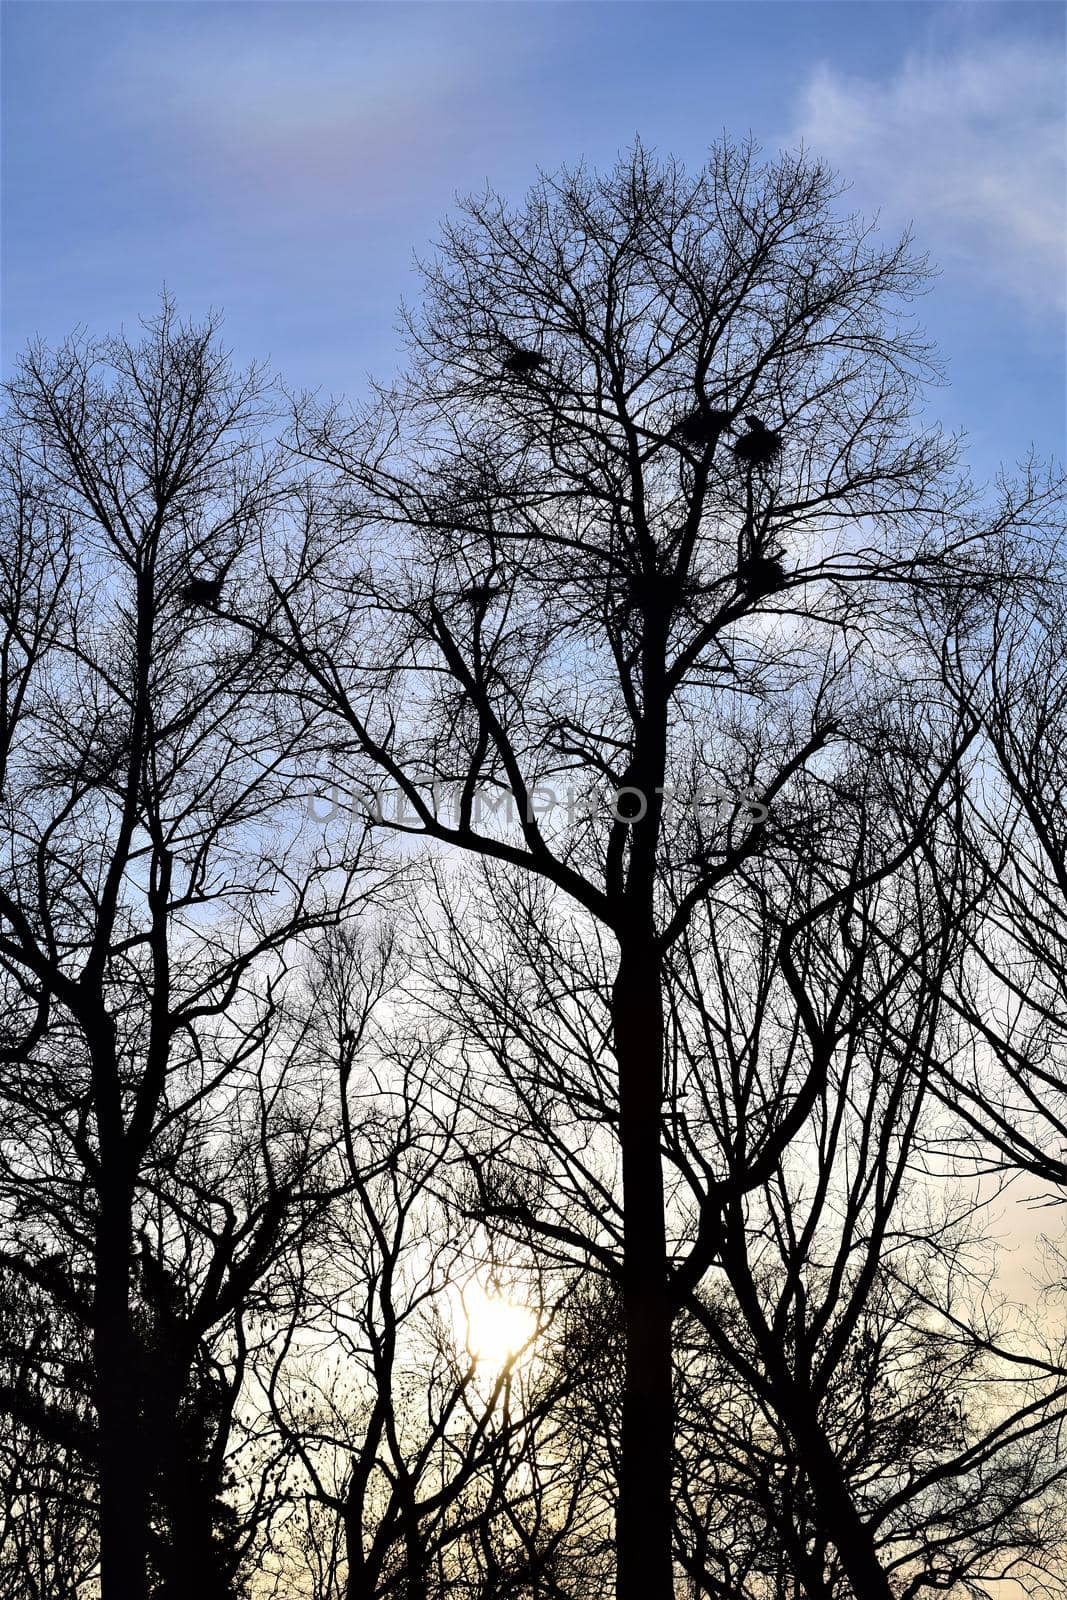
x: 201, y: 592
x: 521, y: 361
x: 760, y: 575
x: 759, y: 446
x: 701, y: 427
x: 480, y: 593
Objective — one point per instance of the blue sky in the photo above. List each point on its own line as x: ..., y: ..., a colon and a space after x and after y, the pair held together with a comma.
x: 283, y: 161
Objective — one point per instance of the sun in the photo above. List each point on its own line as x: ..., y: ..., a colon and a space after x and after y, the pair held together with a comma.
x: 496, y: 1328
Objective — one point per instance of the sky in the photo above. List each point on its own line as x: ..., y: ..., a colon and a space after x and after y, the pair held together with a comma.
x: 284, y: 162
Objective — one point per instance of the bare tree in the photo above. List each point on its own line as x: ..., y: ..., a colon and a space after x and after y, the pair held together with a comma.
x: 842, y: 1402
x: 647, y: 492
x: 1004, y: 668
x: 612, y: 602
x: 152, y: 880
x: 430, y: 1452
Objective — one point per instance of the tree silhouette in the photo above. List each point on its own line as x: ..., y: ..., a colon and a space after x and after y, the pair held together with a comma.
x: 141, y: 945
x: 714, y: 988
x: 623, y: 641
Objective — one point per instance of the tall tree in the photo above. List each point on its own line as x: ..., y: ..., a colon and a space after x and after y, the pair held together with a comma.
x: 647, y: 492
x: 835, y: 1411
x: 148, y: 895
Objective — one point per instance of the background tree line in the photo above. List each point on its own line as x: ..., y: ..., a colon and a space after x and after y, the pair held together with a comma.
x: 721, y: 1071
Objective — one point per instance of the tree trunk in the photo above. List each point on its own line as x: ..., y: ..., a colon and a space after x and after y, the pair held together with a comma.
x: 197, y: 1564
x: 359, y: 1583
x: 415, y: 1587
x: 643, y: 1534
x: 837, y: 1512
x: 123, y: 1472
x: 116, y: 1356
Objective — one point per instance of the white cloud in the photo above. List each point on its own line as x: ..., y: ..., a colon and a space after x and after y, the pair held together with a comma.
x: 970, y: 147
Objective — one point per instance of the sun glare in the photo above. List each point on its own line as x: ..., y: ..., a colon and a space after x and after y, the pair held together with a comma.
x: 497, y: 1329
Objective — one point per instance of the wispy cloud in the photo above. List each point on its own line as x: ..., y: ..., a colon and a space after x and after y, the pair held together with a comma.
x: 971, y: 148
x: 330, y: 106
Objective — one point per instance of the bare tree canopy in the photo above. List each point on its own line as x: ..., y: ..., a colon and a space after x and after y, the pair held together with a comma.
x: 567, y: 1165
